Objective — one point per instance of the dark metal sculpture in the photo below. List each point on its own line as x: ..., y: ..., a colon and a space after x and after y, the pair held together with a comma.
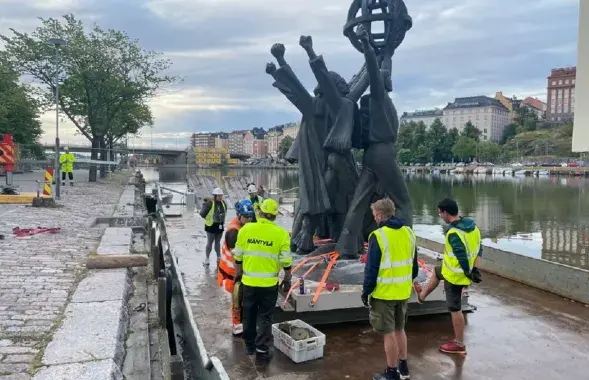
x: 332, y: 124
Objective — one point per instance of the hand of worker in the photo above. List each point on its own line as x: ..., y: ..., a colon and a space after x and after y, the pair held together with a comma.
x: 365, y: 299
x: 286, y: 285
x: 238, y: 277
x: 475, y: 275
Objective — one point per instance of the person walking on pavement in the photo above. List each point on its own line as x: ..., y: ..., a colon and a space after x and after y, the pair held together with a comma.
x: 462, y: 247
x: 244, y: 211
x: 66, y: 160
x: 254, y: 198
x: 262, y: 249
x: 390, y: 270
x: 214, y: 212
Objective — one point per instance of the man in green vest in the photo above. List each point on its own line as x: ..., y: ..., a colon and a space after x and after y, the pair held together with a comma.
x: 262, y: 249
x: 256, y: 199
x: 391, y: 267
x: 462, y: 247
x: 214, y: 212
x: 66, y: 160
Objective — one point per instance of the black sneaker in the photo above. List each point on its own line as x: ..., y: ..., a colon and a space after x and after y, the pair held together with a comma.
x: 386, y: 375
x: 250, y: 349
x: 404, y: 370
x: 263, y: 358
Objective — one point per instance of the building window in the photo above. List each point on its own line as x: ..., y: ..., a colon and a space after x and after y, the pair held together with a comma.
x: 554, y: 83
x: 573, y: 81
x: 566, y: 81
x: 477, y: 117
x: 560, y: 82
x: 484, y: 137
x: 485, y: 130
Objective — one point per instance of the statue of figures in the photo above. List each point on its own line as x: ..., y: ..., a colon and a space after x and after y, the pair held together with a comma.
x: 379, y: 165
x: 341, y: 176
x: 314, y: 200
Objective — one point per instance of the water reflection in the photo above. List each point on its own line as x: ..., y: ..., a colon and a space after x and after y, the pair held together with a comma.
x: 545, y: 217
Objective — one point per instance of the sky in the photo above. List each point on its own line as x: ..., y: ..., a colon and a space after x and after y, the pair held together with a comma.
x: 220, y: 48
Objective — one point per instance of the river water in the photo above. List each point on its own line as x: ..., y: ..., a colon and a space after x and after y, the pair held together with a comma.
x: 545, y: 217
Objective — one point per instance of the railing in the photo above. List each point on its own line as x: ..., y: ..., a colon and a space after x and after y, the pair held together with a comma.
x: 172, y: 299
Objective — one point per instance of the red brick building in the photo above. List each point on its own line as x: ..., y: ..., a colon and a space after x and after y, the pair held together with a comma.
x: 561, y: 94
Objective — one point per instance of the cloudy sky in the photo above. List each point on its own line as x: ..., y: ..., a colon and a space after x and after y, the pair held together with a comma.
x: 220, y: 47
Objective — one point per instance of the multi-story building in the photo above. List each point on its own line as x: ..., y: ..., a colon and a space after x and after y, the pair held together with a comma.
x: 561, y: 94
x: 427, y: 116
x: 512, y: 104
x: 273, y: 138
x: 485, y: 113
x: 291, y: 130
x: 203, y: 140
x: 236, y: 143
x: 259, y: 148
x: 222, y: 141
x: 536, y: 105
x: 248, y: 143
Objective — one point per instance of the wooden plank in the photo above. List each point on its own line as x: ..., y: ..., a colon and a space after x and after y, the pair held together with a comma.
x: 116, y: 261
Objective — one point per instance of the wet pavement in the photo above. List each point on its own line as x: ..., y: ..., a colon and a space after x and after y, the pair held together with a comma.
x: 517, y: 332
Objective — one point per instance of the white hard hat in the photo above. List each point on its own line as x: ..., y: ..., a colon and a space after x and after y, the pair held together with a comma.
x: 217, y: 191
x: 251, y: 189
x: 66, y: 148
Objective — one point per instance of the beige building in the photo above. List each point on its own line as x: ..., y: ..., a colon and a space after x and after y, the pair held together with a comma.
x: 581, y: 118
x: 273, y: 139
x: 485, y: 113
x: 512, y: 104
x: 291, y: 130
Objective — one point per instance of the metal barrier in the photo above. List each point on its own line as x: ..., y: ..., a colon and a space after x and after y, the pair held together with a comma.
x: 174, y: 310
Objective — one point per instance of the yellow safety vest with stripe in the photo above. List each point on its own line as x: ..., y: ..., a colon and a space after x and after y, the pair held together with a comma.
x: 210, y: 218
x: 451, y: 270
x: 394, y: 279
x: 257, y: 204
x: 262, y: 248
x: 67, y: 162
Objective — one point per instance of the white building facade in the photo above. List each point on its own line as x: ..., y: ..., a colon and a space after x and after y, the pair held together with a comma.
x: 485, y: 113
x: 426, y: 116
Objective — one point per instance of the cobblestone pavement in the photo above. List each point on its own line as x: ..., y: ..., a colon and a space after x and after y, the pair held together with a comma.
x: 38, y: 273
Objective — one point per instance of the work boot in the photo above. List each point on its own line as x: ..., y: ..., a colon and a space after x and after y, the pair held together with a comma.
x: 207, y: 262
x: 404, y: 370
x: 453, y: 348
x: 250, y: 349
x: 388, y: 374
x: 263, y: 358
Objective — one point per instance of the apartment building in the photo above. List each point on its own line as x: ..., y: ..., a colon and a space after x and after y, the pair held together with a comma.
x: 536, y: 105
x: 273, y: 139
x: 222, y: 141
x: 203, y: 140
x: 236, y: 141
x: 426, y: 116
x: 291, y: 130
x: 259, y: 148
x: 485, y: 113
x: 561, y: 94
x: 512, y: 104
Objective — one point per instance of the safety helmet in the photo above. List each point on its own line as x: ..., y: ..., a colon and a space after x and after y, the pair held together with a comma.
x: 245, y: 208
x: 217, y: 191
x: 269, y: 206
x: 251, y: 188
x: 66, y: 148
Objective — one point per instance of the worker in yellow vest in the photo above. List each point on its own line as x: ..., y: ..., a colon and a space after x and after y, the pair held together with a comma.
x: 391, y: 267
x: 66, y: 160
x: 256, y: 199
x: 214, y: 212
x: 462, y: 248
x: 262, y: 249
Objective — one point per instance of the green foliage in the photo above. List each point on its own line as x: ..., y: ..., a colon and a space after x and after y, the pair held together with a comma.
x: 509, y: 132
x: 284, y: 146
x: 465, y: 148
x: 18, y: 109
x: 546, y: 142
x: 471, y: 131
x: 488, y: 151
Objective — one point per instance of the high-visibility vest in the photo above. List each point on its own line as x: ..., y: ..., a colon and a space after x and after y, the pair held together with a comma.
x: 263, y: 248
x: 397, y: 246
x: 226, y: 270
x: 209, y: 219
x: 451, y: 270
x: 67, y: 162
x: 257, y: 204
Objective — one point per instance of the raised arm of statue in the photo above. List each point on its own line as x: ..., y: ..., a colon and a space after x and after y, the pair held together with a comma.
x: 287, y: 82
x: 358, y: 84
x: 377, y: 89
x: 331, y: 93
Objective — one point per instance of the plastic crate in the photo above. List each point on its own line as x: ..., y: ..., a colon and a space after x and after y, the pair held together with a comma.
x: 302, y: 350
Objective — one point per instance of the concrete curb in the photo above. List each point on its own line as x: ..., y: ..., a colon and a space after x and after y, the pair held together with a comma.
x: 556, y: 278
x: 90, y: 343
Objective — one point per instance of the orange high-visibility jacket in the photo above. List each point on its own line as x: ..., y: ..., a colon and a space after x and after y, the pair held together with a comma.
x: 226, y: 271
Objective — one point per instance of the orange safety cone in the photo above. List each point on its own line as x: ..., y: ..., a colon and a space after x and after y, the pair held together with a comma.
x: 47, y: 189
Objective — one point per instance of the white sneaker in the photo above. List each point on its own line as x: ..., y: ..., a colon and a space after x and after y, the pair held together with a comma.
x: 206, y: 262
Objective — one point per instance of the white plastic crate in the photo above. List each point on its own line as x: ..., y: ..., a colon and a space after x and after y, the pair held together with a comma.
x: 302, y: 350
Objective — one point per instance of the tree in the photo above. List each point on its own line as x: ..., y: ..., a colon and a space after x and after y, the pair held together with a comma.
x: 18, y: 110
x: 284, y: 146
x: 471, y: 131
x: 465, y: 148
x: 509, y: 132
x: 488, y: 151
x: 526, y: 117
x: 437, y: 138
x: 108, y: 77
x: 451, y: 139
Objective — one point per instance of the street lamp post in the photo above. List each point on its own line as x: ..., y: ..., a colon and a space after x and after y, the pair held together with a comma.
x: 57, y: 42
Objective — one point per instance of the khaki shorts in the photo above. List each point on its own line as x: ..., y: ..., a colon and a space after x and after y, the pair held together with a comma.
x: 387, y: 316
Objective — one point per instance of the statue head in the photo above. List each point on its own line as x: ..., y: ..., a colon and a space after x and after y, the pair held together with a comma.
x: 340, y: 83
